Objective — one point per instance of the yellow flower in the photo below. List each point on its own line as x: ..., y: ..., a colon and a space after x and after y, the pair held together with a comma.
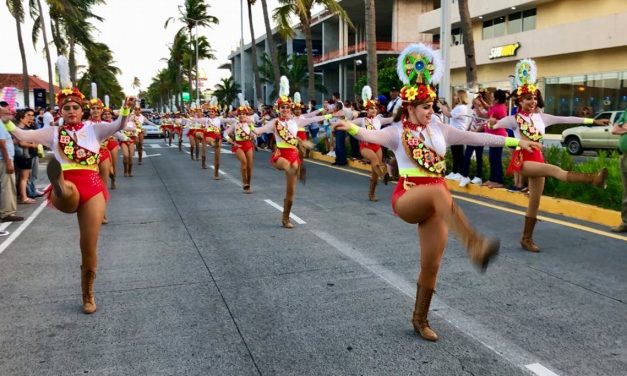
x: 440, y: 166
x: 67, y: 91
x: 68, y: 150
x: 411, y: 93
x: 91, y: 160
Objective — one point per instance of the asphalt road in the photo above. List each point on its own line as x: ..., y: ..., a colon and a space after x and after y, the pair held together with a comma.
x: 196, y: 278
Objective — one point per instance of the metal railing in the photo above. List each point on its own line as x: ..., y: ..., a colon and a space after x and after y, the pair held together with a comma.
x: 361, y: 47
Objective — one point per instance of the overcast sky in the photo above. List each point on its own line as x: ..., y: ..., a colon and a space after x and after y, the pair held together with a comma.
x: 134, y: 31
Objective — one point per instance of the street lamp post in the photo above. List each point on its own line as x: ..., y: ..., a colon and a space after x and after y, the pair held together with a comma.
x: 356, y: 63
x: 190, y: 65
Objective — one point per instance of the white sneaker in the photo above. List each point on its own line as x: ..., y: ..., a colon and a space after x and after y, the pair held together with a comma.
x: 331, y: 153
x: 453, y: 176
x: 464, y: 181
x: 476, y: 180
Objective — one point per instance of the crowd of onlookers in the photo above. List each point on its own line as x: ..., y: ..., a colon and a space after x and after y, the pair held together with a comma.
x: 19, y: 161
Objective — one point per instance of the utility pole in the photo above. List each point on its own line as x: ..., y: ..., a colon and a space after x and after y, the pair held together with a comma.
x: 445, y: 42
x: 243, y: 81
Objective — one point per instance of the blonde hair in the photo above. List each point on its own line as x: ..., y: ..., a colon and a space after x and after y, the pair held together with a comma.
x: 462, y: 97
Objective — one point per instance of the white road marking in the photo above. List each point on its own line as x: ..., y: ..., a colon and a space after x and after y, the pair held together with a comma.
x: 228, y: 177
x: 22, y: 227
x: 155, y: 146
x: 280, y: 208
x: 4, y: 225
x: 490, y: 339
x: 540, y: 370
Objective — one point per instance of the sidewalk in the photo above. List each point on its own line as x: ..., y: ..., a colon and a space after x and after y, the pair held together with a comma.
x: 549, y: 205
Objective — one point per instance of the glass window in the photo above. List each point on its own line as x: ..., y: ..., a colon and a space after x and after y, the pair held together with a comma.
x: 498, y: 26
x: 514, y: 23
x: 488, y: 31
x: 529, y: 20
x: 456, y: 37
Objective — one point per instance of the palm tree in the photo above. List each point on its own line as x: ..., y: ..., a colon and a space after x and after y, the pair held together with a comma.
x: 273, y: 50
x: 136, y: 83
x: 37, y: 14
x: 371, y: 35
x: 469, y: 44
x: 17, y: 11
x: 254, y: 51
x: 193, y: 14
x: 226, y: 91
x: 101, y: 70
x: 302, y: 10
x: 294, y: 68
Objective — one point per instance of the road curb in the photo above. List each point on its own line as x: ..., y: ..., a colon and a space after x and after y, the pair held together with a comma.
x: 550, y: 205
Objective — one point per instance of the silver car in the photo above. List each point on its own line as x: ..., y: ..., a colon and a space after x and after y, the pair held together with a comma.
x: 578, y: 139
x: 152, y: 131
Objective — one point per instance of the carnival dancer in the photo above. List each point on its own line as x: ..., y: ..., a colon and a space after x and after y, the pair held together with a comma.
x: 195, y: 132
x: 213, y: 137
x: 297, y: 110
x: 242, y: 141
x: 167, y: 125
x: 421, y: 195
x: 75, y: 186
x: 373, y: 152
x: 112, y: 142
x: 528, y: 124
x: 139, y: 121
x: 178, y: 129
x: 285, y: 156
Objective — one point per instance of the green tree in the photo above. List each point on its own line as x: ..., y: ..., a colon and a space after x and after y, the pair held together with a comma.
x: 302, y: 10
x: 16, y: 8
x: 226, y: 91
x: 388, y: 78
x: 274, y: 53
x: 294, y: 68
x: 37, y: 14
x: 101, y: 70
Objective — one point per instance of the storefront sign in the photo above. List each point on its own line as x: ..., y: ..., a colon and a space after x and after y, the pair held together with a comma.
x: 504, y: 51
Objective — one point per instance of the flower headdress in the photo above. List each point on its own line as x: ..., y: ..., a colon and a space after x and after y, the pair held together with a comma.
x: 95, y: 101
x: 297, y: 101
x: 419, y: 67
x: 284, y: 93
x: 244, y: 107
x: 366, y: 96
x: 525, y: 76
x: 68, y: 93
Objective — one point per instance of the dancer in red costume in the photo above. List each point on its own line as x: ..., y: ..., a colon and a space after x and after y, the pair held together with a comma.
x: 213, y: 137
x: 528, y: 124
x: 421, y: 195
x: 73, y: 172
x: 241, y: 135
x: 112, y: 142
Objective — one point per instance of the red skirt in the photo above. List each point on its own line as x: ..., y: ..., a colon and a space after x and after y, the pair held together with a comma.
x: 302, y: 135
x: 243, y: 145
x: 87, y: 182
x: 130, y: 141
x: 368, y: 145
x: 112, y: 144
x: 195, y: 132
x: 399, y: 190
x: 290, y: 154
x: 213, y: 135
x: 520, y: 156
x: 104, y: 155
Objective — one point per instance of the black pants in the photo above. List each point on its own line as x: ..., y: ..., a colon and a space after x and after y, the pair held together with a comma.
x: 458, y: 157
x: 479, y: 155
x: 496, y: 165
x: 340, y: 147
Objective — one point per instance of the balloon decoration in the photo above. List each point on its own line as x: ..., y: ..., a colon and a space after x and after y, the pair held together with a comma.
x: 9, y: 95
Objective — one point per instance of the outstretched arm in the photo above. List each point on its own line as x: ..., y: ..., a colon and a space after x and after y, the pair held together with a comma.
x: 268, y: 128
x: 550, y: 120
x: 386, y: 120
x: 508, y: 122
x: 387, y: 137
x: 42, y: 136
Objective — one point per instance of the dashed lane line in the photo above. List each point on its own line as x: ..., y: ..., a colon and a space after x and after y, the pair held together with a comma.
x: 22, y: 227
x: 280, y: 208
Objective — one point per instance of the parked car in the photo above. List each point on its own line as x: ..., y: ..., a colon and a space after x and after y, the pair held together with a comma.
x: 578, y: 139
x: 152, y: 131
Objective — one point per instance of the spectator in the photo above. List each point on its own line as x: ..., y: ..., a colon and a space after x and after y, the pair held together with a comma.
x: 394, y: 104
x: 8, y: 195
x: 48, y: 117
x: 313, y: 127
x: 350, y: 114
x: 496, y: 113
x: 24, y: 154
x: 459, y: 118
x: 340, y: 139
x: 480, y: 105
x: 620, y: 128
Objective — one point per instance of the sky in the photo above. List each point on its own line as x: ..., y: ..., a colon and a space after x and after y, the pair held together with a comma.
x: 134, y: 31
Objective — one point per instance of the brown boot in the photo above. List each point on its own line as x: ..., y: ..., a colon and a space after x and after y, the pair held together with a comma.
x: 287, y: 208
x: 216, y: 171
x: 140, y: 153
x: 204, y: 163
x: 112, y: 177
x: 216, y: 162
x: 598, y: 179
x: 87, y: 285
x: 479, y: 248
x: 180, y: 144
x: 55, y: 176
x: 527, y: 238
x: 197, y: 152
x: 382, y: 171
x: 130, y: 166
x: 245, y: 184
x: 302, y: 173
x: 421, y: 309
x: 191, y: 151
x: 373, y: 186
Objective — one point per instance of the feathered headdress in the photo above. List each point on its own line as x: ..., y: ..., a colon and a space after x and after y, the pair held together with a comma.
x: 284, y: 93
x: 94, y: 101
x: 68, y: 93
x: 420, y: 68
x: 525, y: 77
x: 366, y: 97
x: 297, y: 101
x: 106, y: 104
x: 213, y: 104
x: 243, y: 108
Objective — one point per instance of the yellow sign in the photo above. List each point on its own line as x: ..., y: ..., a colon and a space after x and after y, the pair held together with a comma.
x: 504, y: 51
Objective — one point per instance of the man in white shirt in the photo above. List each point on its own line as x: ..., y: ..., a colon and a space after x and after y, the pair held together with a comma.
x: 48, y: 118
x: 395, y: 102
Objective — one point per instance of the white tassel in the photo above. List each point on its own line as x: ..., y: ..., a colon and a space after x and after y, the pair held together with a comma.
x: 214, y: 102
x: 284, y: 87
x: 106, y: 101
x: 94, y: 91
x: 240, y: 97
x: 366, y: 93
x: 64, y: 73
x: 297, y: 98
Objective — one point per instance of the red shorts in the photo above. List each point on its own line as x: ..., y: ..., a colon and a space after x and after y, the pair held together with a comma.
x: 418, y: 180
x: 302, y: 135
x: 367, y: 145
x: 112, y: 144
x: 290, y: 154
x: 213, y: 135
x: 243, y: 145
x: 520, y: 156
x: 104, y: 155
x: 193, y: 133
x: 87, y: 182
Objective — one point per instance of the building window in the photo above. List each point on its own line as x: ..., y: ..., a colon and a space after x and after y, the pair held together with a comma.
x: 457, y: 37
x: 513, y: 23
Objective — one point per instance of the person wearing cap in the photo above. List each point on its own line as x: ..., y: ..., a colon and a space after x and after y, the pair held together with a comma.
x: 395, y: 102
x: 421, y: 195
x: 372, y: 152
x: 75, y: 186
x: 528, y: 124
x: 285, y: 156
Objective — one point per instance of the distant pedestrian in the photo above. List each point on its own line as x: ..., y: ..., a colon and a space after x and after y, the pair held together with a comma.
x: 620, y: 128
